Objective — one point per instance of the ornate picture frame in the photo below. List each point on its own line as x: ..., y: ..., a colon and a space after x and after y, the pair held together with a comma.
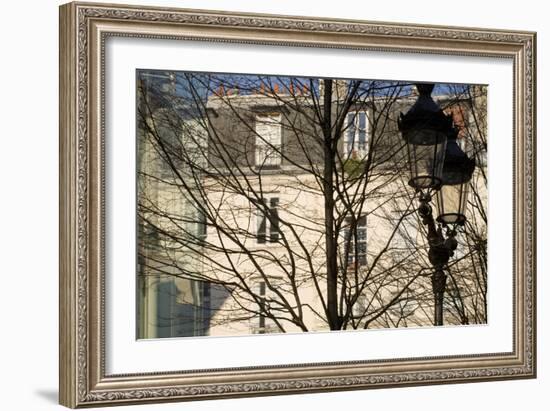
x: 84, y: 30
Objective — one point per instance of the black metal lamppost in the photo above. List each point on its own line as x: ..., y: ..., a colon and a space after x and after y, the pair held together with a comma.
x: 439, y: 167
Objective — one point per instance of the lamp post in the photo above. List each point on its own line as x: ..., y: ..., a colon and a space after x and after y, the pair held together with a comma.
x: 437, y: 166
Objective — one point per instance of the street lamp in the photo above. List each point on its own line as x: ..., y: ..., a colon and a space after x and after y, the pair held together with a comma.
x: 437, y: 165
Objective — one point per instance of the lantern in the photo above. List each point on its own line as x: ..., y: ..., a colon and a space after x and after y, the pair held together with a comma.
x: 457, y: 173
x: 425, y: 129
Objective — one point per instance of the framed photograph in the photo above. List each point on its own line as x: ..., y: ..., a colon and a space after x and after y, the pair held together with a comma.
x: 260, y: 204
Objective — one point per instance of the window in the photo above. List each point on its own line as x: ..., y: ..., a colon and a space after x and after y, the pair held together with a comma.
x: 203, y: 322
x: 356, y: 134
x: 268, y: 140
x: 263, y: 323
x: 261, y: 320
x: 202, y: 226
x: 355, y: 242
x: 268, y: 221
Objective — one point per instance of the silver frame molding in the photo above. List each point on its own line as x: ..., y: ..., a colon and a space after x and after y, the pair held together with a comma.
x: 83, y: 30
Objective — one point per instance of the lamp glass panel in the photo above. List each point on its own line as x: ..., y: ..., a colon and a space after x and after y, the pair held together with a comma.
x: 451, y: 203
x: 426, y: 160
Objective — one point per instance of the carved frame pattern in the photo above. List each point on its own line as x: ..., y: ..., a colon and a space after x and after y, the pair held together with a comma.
x: 82, y: 378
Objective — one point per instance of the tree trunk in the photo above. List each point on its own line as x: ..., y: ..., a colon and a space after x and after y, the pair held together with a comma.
x: 331, y: 251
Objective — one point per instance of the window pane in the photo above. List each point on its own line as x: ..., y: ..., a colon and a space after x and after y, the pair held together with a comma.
x: 274, y: 227
x: 351, y: 132
x: 260, y: 234
x: 362, y: 130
